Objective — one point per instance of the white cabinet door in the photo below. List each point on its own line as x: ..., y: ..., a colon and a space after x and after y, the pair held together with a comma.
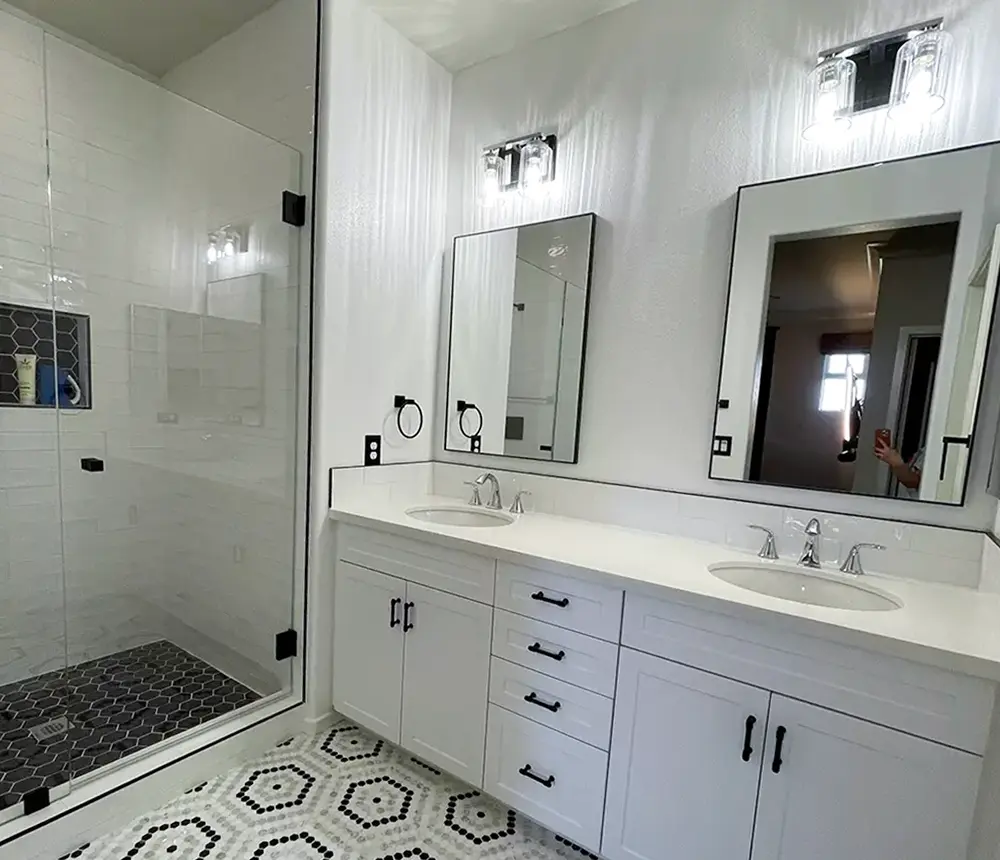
x: 686, y: 754
x: 368, y: 648
x: 839, y: 787
x: 446, y: 680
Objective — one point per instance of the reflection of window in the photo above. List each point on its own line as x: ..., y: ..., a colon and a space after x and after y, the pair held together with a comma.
x: 839, y: 371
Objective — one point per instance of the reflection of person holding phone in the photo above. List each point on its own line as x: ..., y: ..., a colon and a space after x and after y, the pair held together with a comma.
x: 907, y: 473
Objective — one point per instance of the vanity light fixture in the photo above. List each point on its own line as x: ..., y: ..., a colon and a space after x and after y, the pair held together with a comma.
x: 525, y: 164
x: 920, y: 78
x: 830, y: 99
x: 905, y: 71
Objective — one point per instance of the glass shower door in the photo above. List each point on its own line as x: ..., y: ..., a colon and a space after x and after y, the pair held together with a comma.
x: 179, y: 481
x: 34, y: 749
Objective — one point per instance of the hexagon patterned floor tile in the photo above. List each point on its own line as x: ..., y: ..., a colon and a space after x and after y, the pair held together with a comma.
x: 71, y: 722
x: 344, y: 795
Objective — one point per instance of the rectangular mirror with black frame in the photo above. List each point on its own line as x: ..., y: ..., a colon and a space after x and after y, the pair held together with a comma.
x: 519, y: 311
x: 861, y: 306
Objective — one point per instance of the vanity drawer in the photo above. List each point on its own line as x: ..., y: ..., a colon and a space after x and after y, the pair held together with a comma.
x: 450, y: 570
x: 564, y: 600
x: 566, y: 786
x: 921, y: 700
x: 573, y: 657
x: 571, y: 710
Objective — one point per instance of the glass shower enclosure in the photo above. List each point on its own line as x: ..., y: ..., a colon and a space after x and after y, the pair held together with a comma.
x: 149, y: 403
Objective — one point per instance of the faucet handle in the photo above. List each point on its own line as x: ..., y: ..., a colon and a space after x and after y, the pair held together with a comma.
x: 768, y: 550
x: 475, y: 501
x: 852, y: 564
x: 516, y: 507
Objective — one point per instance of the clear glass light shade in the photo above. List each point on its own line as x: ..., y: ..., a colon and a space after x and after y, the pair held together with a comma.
x: 536, y: 167
x: 920, y: 79
x: 830, y: 99
x: 493, y: 176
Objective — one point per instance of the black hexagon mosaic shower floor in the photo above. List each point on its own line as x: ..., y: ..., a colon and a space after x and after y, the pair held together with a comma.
x: 344, y: 795
x: 68, y: 723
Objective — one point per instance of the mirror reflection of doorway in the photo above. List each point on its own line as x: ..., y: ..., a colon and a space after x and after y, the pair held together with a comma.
x: 910, y: 402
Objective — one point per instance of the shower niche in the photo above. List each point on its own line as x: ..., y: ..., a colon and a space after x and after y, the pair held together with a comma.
x: 44, y: 358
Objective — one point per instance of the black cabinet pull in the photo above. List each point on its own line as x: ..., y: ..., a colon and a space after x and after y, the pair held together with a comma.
x: 538, y: 649
x: 540, y: 596
x: 534, y: 700
x: 407, y: 624
x: 393, y: 617
x: 747, y: 737
x: 548, y: 781
x: 779, y: 740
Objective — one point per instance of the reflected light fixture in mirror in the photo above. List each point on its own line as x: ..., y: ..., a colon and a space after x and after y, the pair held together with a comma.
x: 830, y: 99
x: 920, y: 77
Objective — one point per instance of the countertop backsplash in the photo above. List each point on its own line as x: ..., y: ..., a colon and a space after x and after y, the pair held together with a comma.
x: 950, y: 556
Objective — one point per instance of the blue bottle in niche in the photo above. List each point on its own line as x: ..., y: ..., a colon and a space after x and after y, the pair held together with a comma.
x: 70, y: 394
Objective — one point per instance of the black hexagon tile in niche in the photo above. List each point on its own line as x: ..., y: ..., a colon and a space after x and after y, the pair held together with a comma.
x: 183, y: 839
x: 479, y: 819
x: 349, y: 743
x: 376, y: 802
x: 300, y: 846
x: 274, y: 788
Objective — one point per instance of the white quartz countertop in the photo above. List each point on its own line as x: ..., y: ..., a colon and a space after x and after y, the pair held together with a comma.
x: 952, y: 628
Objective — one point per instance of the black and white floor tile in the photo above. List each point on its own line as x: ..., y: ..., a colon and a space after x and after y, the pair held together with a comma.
x: 345, y: 795
x: 98, y: 712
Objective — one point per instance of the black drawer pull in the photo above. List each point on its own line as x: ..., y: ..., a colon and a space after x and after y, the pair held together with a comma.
x: 540, y: 596
x: 407, y: 624
x: 533, y: 698
x: 393, y: 617
x: 548, y: 781
x: 747, y: 737
x: 779, y: 740
x: 538, y: 649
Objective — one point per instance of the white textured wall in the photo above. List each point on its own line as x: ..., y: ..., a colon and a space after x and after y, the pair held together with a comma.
x: 380, y: 236
x: 662, y: 116
x: 385, y: 108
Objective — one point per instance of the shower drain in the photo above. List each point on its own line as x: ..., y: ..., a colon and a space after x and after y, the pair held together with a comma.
x: 51, y: 729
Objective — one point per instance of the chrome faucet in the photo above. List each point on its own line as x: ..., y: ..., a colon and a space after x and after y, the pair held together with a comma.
x: 852, y: 564
x: 488, y: 477
x: 810, y: 552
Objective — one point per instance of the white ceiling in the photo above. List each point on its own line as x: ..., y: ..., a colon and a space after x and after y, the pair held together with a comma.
x: 461, y: 33
x: 154, y: 35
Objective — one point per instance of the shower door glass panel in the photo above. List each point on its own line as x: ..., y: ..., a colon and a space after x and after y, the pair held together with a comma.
x: 180, y: 533
x: 34, y: 751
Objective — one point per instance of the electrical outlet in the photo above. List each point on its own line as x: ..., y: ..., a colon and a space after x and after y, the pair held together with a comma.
x: 373, y: 450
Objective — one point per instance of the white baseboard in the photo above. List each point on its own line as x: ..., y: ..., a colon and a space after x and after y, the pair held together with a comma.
x: 103, y: 804
x: 317, y: 725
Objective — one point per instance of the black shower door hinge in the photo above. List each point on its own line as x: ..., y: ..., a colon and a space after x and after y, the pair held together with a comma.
x: 286, y: 645
x: 293, y: 209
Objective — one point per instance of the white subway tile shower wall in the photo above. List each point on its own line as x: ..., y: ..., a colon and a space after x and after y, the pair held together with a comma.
x: 914, y: 551
x: 189, y: 529
x: 661, y: 118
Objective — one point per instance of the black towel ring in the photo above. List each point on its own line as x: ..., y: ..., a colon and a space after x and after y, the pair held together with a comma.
x: 464, y: 407
x: 400, y: 403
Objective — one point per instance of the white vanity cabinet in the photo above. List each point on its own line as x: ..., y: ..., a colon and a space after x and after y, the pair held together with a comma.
x: 842, y: 787
x: 412, y: 664
x: 685, y: 762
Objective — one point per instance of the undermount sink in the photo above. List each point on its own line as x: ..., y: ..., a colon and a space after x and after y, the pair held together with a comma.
x: 801, y: 585
x: 474, y: 518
